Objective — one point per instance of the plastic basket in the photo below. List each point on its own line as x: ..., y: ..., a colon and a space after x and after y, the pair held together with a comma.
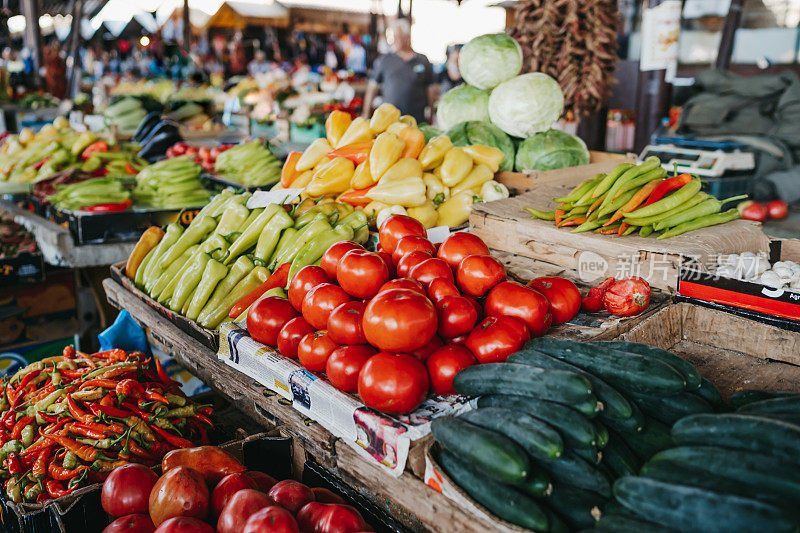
x: 727, y: 186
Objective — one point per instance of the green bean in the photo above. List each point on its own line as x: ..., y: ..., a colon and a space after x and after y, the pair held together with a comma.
x: 644, y: 231
x: 673, y: 200
x: 587, y: 199
x: 541, y: 215
x: 651, y: 163
x: 621, y: 200
x: 701, y: 222
x: 637, y: 183
x: 586, y: 226
x: 645, y: 221
x: 578, y: 191
x: 579, y: 210
x: 706, y: 207
x: 629, y: 230
x: 610, y: 178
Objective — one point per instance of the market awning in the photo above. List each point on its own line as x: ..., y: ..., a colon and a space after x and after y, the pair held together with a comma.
x: 233, y: 14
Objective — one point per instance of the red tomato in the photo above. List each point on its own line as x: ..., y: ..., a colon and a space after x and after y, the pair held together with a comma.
x: 395, y: 228
x: 458, y: 246
x: 496, y: 338
x: 184, y: 524
x: 563, y: 295
x: 291, y: 334
x: 227, y: 487
x: 332, y: 256
x: 445, y: 363
x: 314, y: 350
x: 424, y: 352
x: 403, y: 283
x: 303, y: 281
x: 476, y: 305
x: 204, y: 152
x: 180, y: 492
x: 345, y: 363
x: 179, y: 148
x: 477, y: 274
x: 267, y: 316
x: 627, y: 297
x: 441, y: 288
x: 777, y: 209
x: 132, y: 523
x: 512, y: 299
x: 190, y: 150
x: 361, y: 273
x: 399, y: 320
x: 320, y: 301
x: 387, y: 258
x: 412, y: 243
x: 325, y: 496
x: 214, y: 153
x: 750, y: 210
x: 431, y: 269
x: 272, y: 519
x: 291, y: 495
x: 126, y: 490
x: 457, y: 316
x: 460, y: 340
x: 330, y: 518
x: 592, y: 303
x: 409, y: 261
x: 393, y: 383
x: 264, y: 482
x: 345, y: 323
x: 241, y: 506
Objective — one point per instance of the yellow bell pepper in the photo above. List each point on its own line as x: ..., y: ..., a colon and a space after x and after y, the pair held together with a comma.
x: 396, y: 127
x: 373, y: 208
x: 408, y: 119
x: 408, y: 192
x: 404, y: 168
x: 313, y: 154
x: 358, y: 131
x: 485, y: 155
x: 492, y: 190
x: 434, y: 151
x: 385, y: 153
x: 335, y: 126
x: 333, y: 178
x: 456, y: 210
x: 302, y: 181
x: 386, y: 212
x: 435, y: 191
x: 455, y: 166
x: 474, y: 180
x: 362, y: 177
x: 383, y: 117
x: 425, y: 213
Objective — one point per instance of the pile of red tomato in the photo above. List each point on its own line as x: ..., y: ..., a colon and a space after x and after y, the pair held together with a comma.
x: 393, y: 324
x: 204, y: 156
x: 206, y: 489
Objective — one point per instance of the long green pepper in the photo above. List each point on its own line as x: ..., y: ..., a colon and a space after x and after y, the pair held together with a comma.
x: 188, y: 282
x: 237, y: 272
x: 172, y: 271
x: 316, y: 247
x: 270, y: 236
x: 197, y: 231
x: 578, y: 192
x: 250, y: 235
x: 313, y: 229
x: 674, y: 199
x: 694, y: 200
x: 215, y: 244
x: 701, y: 222
x: 651, y: 163
x: 153, y: 270
x: 212, y: 275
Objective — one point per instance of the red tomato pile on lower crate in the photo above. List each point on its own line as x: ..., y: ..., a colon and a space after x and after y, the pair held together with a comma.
x: 206, y: 489
x: 204, y: 156
x: 396, y: 323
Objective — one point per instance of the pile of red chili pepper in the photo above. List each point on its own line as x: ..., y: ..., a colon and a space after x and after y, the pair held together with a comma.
x: 69, y: 420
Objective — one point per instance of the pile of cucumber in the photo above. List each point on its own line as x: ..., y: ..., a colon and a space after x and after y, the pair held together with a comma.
x: 560, y: 421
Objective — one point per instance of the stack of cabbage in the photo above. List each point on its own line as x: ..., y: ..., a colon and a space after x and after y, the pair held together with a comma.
x: 497, y: 103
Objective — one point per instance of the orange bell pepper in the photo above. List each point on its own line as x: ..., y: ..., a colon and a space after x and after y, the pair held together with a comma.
x: 357, y: 152
x: 289, y: 171
x: 356, y: 197
x: 415, y: 141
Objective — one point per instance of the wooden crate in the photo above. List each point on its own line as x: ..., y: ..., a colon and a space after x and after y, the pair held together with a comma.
x: 505, y: 226
x: 730, y: 351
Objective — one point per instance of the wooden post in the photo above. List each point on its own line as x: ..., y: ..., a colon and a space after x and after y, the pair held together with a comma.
x: 187, y: 27
x: 33, y: 36
x: 728, y: 34
x: 74, y: 72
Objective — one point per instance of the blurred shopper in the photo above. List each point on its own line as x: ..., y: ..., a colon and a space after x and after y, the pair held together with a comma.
x: 450, y: 76
x: 259, y: 64
x: 404, y: 77
x: 356, y: 57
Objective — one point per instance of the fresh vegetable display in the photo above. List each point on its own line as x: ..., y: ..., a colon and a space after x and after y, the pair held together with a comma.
x: 203, y: 156
x: 250, y: 163
x: 171, y: 184
x: 71, y: 419
x: 384, y: 165
x: 97, y: 194
x: 14, y: 239
x: 638, y: 198
x: 207, y: 489
x: 775, y: 209
x: 230, y: 254
x: 560, y: 421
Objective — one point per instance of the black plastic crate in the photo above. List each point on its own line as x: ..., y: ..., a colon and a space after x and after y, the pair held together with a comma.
x: 727, y: 186
x: 25, y: 267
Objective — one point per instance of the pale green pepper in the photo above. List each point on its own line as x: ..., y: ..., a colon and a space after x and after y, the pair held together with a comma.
x: 288, y: 237
x: 139, y: 279
x: 271, y: 234
x: 188, y: 281
x: 316, y: 247
x: 215, y: 245
x: 172, y: 271
x: 153, y: 270
x: 237, y: 272
x: 212, y: 275
x: 313, y: 229
x: 250, y: 235
x: 195, y: 233
x: 246, y: 285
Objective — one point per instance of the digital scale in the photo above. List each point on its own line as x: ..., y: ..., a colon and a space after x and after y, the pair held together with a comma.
x: 707, y: 159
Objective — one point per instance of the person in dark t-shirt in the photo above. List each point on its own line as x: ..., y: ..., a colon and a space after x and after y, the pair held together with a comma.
x: 404, y: 78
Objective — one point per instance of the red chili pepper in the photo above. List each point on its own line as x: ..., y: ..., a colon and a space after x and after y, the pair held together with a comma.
x: 9, y: 419
x: 162, y: 374
x: 30, y: 376
x: 115, y: 354
x: 74, y: 374
x: 47, y: 417
x: 203, y: 440
x: 104, y: 383
x: 178, y: 442
x: 99, y: 146
x: 69, y: 352
x: 21, y: 423
x: 130, y: 170
x: 40, y: 465
x: 130, y: 388
x: 107, y: 400
x: 39, y: 164
x: 666, y: 186
x: 84, y: 451
x: 43, y: 393
x: 110, y: 207
x: 109, y: 410
x: 136, y: 410
x: 52, y: 428
x: 43, y: 497
x: 205, y: 410
x: 60, y: 473
x: 154, y: 396
x: 76, y: 412
x: 105, y: 428
x: 14, y: 464
x: 56, y: 489
x: 203, y: 418
x: 279, y: 278
x: 79, y: 429
x: 137, y: 450
x: 35, y: 447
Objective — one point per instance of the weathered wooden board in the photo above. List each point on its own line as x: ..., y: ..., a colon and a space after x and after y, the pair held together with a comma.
x: 730, y: 351
x: 505, y: 226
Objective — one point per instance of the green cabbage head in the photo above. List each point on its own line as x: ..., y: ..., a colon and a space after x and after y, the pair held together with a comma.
x: 488, y: 60
x: 527, y: 104
x: 460, y: 104
x: 551, y: 149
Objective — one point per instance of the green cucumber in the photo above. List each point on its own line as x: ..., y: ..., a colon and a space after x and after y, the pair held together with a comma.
x: 633, y: 424
x: 576, y: 430
x: 615, y: 405
x: 537, y: 438
x: 502, y: 500
x: 692, y: 509
x: 789, y: 405
x: 651, y: 440
x: 602, y: 435
x: 690, y: 374
x: 744, y: 397
x: 572, y: 470
x: 620, y: 459
x: 579, y: 508
x: 670, y: 409
x: 593, y: 456
x: 488, y: 451
x: 710, y: 393
x: 508, y: 378
x: 589, y: 408
x: 747, y: 468
x: 626, y: 370
x: 783, y: 417
x: 557, y: 525
x: 625, y: 524
x: 537, y: 483
x: 741, y: 432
